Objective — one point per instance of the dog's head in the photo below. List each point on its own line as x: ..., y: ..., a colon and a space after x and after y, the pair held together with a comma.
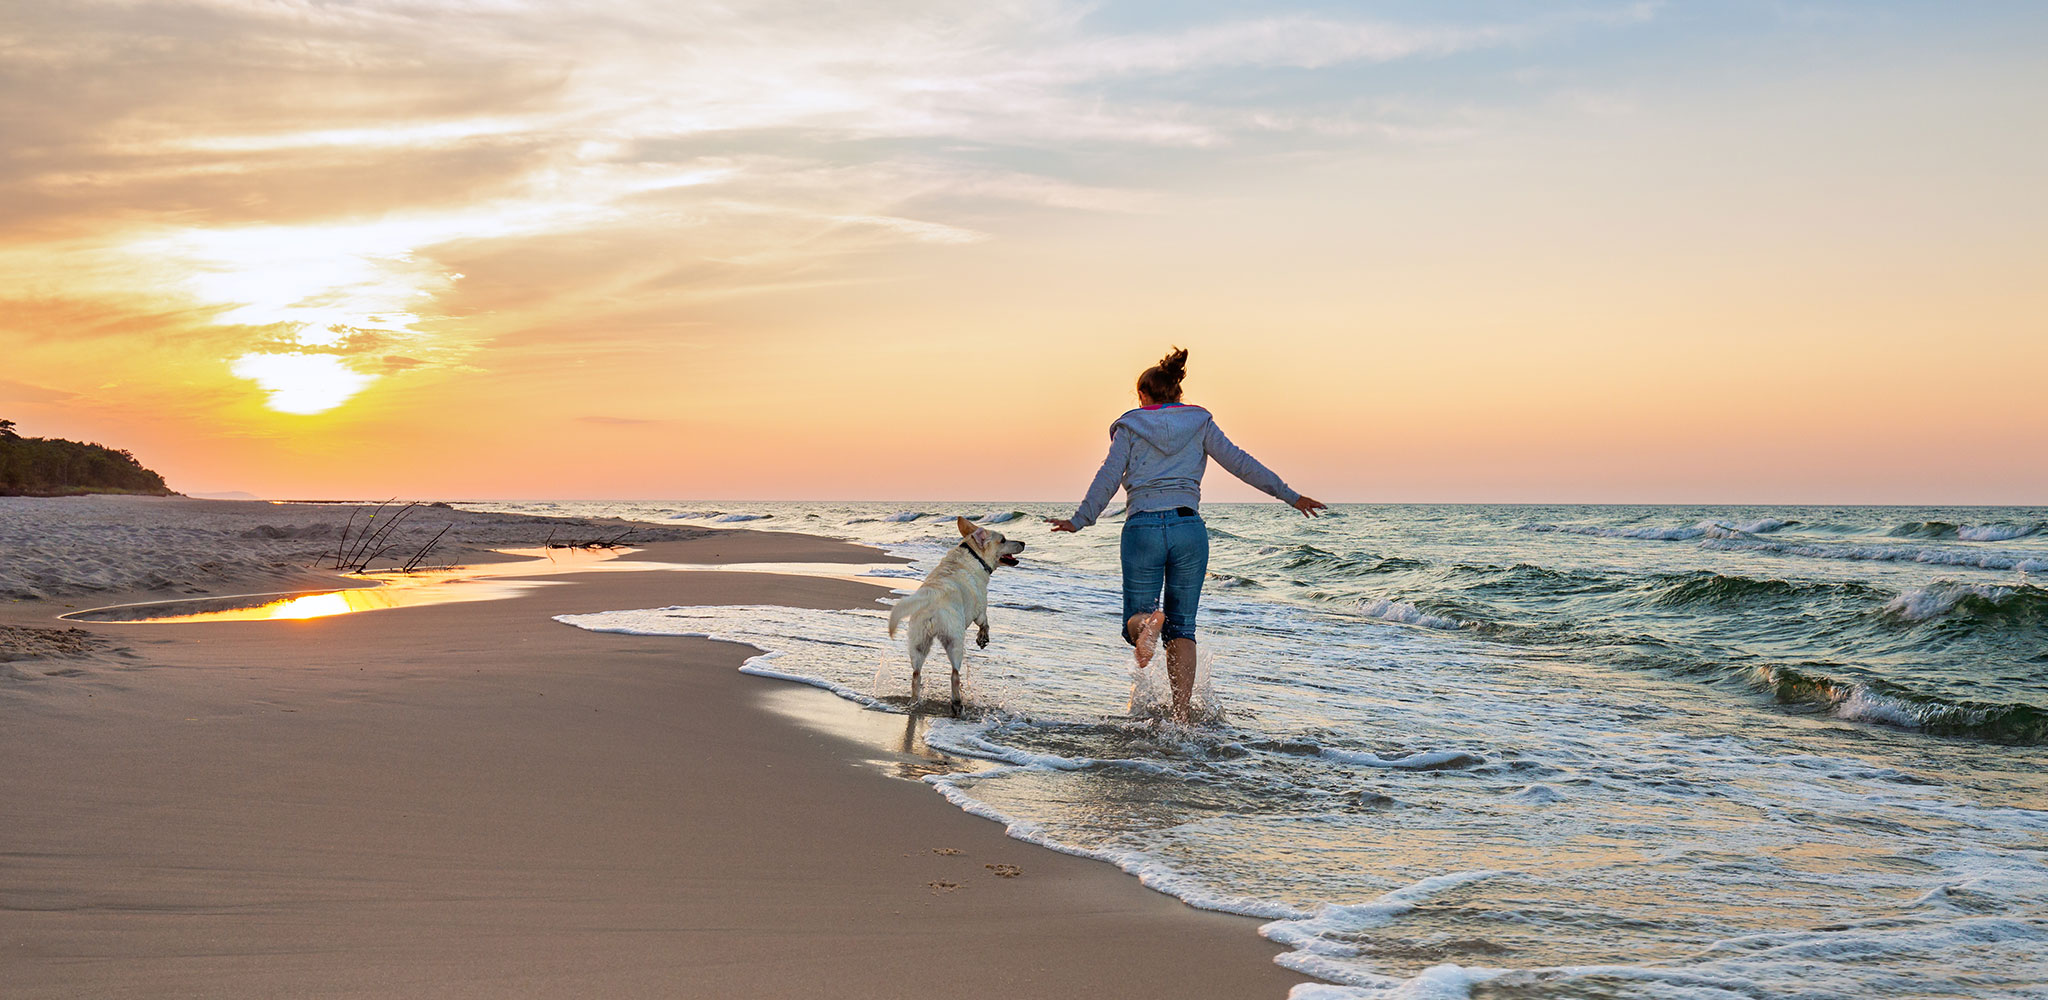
x: 991, y: 546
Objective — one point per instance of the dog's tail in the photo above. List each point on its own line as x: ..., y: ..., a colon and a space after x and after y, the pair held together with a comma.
x: 904, y: 608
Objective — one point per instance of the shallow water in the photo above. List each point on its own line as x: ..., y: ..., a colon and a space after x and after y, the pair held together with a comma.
x: 378, y: 591
x: 1520, y: 752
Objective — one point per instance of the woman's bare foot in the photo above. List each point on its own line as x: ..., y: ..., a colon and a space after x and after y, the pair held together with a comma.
x: 1145, y: 629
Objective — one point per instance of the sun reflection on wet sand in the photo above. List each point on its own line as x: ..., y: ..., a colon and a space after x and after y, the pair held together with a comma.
x: 309, y: 606
x: 457, y: 584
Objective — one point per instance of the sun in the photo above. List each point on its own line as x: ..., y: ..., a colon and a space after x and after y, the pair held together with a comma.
x: 315, y: 296
x: 301, y: 383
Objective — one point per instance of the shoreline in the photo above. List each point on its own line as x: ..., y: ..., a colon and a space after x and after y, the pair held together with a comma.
x: 472, y: 799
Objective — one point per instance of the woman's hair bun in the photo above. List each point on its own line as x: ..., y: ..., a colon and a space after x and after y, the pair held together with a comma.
x: 1161, y: 382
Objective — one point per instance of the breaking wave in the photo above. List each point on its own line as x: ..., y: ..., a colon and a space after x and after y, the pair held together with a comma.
x: 1998, y: 532
x: 1923, y: 529
x: 1892, y: 705
x: 1991, y: 532
x: 1405, y: 613
x: 1982, y: 601
x: 2026, y: 562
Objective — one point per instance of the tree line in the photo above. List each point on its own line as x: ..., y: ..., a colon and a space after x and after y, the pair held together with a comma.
x: 32, y: 466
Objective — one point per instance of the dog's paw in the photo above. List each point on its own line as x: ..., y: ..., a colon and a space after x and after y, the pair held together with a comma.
x: 956, y: 708
x: 981, y: 639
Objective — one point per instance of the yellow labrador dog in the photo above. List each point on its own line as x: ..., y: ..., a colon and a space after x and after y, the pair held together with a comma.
x: 954, y: 594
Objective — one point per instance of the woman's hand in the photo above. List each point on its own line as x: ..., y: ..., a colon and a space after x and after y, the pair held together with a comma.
x: 1061, y: 524
x: 1308, y: 507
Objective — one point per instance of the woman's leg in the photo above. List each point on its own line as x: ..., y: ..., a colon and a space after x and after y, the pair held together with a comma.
x: 1187, y: 564
x: 1143, y: 553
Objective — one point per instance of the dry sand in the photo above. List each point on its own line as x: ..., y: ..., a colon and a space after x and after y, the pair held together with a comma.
x: 61, y: 547
x: 471, y: 800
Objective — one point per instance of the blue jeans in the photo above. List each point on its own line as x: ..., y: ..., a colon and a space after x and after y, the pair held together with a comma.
x: 1164, y: 549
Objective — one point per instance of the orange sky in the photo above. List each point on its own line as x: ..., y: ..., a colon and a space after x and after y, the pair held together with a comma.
x: 1629, y: 253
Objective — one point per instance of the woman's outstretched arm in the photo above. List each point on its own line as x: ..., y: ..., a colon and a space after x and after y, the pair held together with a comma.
x: 1241, y: 464
x: 1103, y: 488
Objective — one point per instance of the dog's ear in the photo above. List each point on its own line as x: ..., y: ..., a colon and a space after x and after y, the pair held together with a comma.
x: 980, y: 537
x: 966, y: 527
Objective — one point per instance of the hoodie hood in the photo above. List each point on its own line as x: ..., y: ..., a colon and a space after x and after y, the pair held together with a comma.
x: 1169, y: 428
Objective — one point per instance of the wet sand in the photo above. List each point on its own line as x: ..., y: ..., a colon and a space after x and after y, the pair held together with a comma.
x: 473, y: 800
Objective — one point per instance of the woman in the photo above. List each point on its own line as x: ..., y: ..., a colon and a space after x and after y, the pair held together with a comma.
x: 1158, y: 453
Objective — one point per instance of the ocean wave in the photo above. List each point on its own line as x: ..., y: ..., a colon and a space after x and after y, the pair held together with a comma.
x: 1421, y: 760
x: 1923, y: 529
x: 1707, y: 587
x: 907, y: 515
x: 694, y: 515
x: 1304, y: 556
x: 744, y: 517
x: 1977, y: 600
x: 1405, y: 613
x: 1395, y: 564
x: 1678, y: 533
x: 1000, y: 517
x: 1995, y: 531
x: 1891, y: 705
x: 1530, y: 573
x: 1998, y: 532
x: 2026, y: 562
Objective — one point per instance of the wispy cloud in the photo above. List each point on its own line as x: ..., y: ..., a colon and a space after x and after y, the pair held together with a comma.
x: 618, y: 421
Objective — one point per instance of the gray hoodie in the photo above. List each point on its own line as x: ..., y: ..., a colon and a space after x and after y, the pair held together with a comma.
x: 1158, y: 454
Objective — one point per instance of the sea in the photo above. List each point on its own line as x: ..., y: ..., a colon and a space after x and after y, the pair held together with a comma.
x: 1506, y: 751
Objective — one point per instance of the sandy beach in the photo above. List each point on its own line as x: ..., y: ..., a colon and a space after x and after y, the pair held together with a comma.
x: 474, y: 800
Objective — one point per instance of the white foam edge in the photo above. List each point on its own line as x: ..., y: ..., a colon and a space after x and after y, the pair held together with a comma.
x: 1420, y: 759
x: 1149, y: 872
x: 2024, y: 562
x: 1404, y: 613
x: 1438, y: 982
x: 970, y: 744
x: 1306, y: 934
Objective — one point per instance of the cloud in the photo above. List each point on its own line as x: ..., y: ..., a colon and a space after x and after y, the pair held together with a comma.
x: 330, y: 184
x: 22, y: 392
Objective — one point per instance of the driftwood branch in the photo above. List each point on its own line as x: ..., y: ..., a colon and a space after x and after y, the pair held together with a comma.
x: 414, y: 562
x: 612, y: 542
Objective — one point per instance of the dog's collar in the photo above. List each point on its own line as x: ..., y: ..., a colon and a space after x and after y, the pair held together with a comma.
x: 978, y: 558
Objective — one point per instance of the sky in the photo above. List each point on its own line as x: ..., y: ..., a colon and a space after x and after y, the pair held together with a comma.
x: 1727, y: 252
